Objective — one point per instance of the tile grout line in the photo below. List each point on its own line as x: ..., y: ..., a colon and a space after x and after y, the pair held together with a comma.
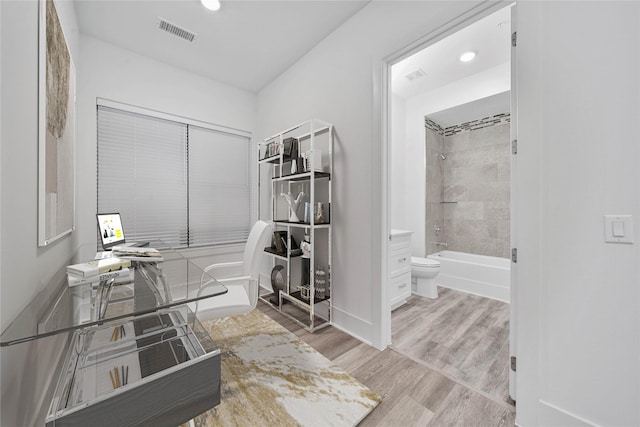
x: 502, y: 403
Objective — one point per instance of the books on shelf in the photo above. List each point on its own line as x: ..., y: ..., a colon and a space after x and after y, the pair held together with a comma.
x: 123, y: 275
x: 133, y: 253
x: 98, y: 266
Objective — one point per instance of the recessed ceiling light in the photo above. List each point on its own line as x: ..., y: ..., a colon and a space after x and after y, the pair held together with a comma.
x: 467, y: 56
x: 211, y: 4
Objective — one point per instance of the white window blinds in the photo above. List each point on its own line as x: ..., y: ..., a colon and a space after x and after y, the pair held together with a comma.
x: 146, y: 166
x: 219, y: 191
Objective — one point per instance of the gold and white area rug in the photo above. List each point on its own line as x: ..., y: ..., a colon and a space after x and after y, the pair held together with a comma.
x: 272, y: 378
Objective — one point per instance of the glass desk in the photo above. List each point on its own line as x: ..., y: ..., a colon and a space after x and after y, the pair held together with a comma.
x: 150, y: 287
x: 136, y: 354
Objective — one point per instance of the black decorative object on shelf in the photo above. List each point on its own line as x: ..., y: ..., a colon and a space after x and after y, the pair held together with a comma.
x: 280, y: 243
x: 277, y: 283
x: 290, y: 148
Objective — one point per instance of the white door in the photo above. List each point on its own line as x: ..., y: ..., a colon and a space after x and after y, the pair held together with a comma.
x: 514, y: 193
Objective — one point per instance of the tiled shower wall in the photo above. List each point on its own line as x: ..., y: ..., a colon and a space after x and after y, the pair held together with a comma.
x: 474, y: 185
x: 434, y: 211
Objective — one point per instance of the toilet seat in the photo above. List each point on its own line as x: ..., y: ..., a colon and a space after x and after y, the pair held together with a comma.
x: 424, y: 262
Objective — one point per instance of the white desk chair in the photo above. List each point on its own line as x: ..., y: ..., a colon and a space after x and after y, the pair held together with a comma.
x: 242, y: 295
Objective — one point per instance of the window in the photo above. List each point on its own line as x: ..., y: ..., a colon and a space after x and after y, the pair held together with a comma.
x: 180, y: 181
x: 218, y: 202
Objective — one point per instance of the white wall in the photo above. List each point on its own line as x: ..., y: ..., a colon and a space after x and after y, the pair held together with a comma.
x: 117, y: 74
x: 333, y: 82
x: 415, y: 165
x: 477, y: 86
x: 578, y: 299
x: 26, y: 369
x: 19, y: 155
x: 400, y: 188
x: 103, y: 71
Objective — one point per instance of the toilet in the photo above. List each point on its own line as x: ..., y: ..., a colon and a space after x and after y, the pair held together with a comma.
x: 423, y: 273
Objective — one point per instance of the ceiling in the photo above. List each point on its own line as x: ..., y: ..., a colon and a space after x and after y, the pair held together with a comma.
x: 489, y: 38
x: 245, y: 44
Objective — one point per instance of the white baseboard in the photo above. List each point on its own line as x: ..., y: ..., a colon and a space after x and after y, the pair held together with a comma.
x: 552, y: 416
x: 352, y: 325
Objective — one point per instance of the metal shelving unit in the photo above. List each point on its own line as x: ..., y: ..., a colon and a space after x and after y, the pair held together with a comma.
x: 313, y: 177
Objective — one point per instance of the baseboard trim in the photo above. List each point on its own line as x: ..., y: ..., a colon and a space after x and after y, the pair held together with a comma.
x: 352, y: 325
x: 551, y: 415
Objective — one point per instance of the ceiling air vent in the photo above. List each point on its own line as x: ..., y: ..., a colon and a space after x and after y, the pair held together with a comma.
x: 176, y: 30
x: 415, y: 74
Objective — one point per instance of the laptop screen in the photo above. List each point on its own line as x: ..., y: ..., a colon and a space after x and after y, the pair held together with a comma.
x: 110, y: 228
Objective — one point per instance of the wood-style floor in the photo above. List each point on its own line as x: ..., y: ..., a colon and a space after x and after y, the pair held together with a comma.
x: 462, y: 335
x: 413, y: 394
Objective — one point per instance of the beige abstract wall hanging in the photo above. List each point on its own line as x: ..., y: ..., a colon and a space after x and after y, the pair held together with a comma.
x: 56, y: 129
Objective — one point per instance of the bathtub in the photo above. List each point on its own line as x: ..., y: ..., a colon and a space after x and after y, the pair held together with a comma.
x: 482, y: 275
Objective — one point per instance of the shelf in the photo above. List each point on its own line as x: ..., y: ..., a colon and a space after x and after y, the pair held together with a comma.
x: 315, y: 131
x: 298, y: 299
x: 301, y: 224
x: 266, y: 298
x: 306, y: 176
x: 275, y: 159
x: 299, y: 313
x: 323, y: 128
x: 315, y: 145
x: 158, y: 351
x: 280, y: 255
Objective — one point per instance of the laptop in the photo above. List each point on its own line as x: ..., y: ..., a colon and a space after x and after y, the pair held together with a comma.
x: 112, y: 233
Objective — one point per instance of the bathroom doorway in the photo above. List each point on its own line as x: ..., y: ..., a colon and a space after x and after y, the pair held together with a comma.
x: 449, y: 170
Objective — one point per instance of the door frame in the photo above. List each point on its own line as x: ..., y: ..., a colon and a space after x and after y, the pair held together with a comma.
x: 464, y: 20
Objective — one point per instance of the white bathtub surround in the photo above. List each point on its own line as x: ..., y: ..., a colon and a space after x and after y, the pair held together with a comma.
x: 482, y: 275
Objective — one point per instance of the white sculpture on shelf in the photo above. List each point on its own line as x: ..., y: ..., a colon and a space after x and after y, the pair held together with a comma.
x: 293, y: 205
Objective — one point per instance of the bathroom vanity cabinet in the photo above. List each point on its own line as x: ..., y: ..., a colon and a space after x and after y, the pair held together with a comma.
x: 295, y: 170
x: 399, y: 268
x: 136, y: 354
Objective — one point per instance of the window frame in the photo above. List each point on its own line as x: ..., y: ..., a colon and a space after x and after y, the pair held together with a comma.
x: 128, y: 108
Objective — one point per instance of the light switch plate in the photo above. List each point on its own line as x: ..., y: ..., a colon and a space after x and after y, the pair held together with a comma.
x: 618, y: 228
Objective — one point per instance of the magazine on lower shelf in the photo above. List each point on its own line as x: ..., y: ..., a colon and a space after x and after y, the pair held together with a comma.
x: 97, y: 266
